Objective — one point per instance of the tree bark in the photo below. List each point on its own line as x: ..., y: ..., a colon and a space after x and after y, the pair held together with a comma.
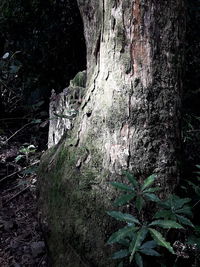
x: 129, y: 119
x: 134, y: 55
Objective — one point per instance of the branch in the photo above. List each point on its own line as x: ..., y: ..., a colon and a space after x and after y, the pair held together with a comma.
x: 12, y: 174
x: 18, y: 131
x: 19, y: 193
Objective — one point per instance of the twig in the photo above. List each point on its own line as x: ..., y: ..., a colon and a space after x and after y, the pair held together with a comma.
x: 196, y: 204
x: 12, y: 174
x: 12, y: 188
x: 41, y: 260
x: 17, y: 118
x: 16, y: 195
x: 190, y: 131
x: 5, y: 86
x: 18, y: 131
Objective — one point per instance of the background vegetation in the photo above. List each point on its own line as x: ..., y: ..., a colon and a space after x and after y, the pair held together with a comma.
x: 45, y: 48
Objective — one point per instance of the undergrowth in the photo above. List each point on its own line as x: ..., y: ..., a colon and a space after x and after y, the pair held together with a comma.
x: 169, y: 234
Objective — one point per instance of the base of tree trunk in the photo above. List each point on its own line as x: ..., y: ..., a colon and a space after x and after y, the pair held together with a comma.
x: 73, y: 207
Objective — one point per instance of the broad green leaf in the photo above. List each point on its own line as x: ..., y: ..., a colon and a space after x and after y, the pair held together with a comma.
x: 149, y: 244
x: 152, y: 190
x: 166, y: 224
x: 31, y: 148
x: 184, y: 188
x: 131, y: 235
x: 192, y: 184
x: 124, y: 217
x: 184, y: 220
x: 120, y: 254
x: 138, y: 259
x: 197, y: 190
x: 166, y: 203
x: 151, y: 197
x: 125, y: 242
x: 149, y: 181
x: 160, y: 240
x: 139, y: 203
x: 166, y: 214
x: 121, y: 234
x: 185, y: 210
x: 19, y: 157
x: 62, y: 116
x: 124, y: 199
x: 131, y: 179
x: 122, y: 186
x: 36, y: 121
x: 150, y: 252
x: 23, y: 150
x: 198, y: 166
x: 30, y: 170
x: 174, y: 202
x: 136, y: 243
x: 179, y: 202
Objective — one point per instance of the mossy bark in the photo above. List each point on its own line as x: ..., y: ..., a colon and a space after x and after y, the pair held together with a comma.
x: 128, y: 119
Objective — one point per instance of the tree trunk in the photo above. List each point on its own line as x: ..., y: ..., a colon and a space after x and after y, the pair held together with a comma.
x: 129, y: 119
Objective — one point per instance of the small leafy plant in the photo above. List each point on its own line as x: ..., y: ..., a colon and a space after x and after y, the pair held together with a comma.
x: 25, y: 152
x: 143, y: 236
x: 177, y: 209
x: 137, y: 192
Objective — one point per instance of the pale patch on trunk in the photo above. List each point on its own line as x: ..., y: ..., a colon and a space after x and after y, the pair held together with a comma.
x: 64, y: 108
x: 58, y: 123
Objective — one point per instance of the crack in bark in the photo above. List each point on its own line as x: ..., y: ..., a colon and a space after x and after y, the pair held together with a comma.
x: 107, y: 75
x: 82, y: 159
x: 129, y: 119
x: 97, y: 48
x: 131, y: 38
x: 90, y: 93
x: 113, y: 23
x: 103, y: 20
x: 124, y: 34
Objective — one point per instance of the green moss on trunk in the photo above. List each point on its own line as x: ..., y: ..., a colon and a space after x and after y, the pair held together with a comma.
x: 74, y: 206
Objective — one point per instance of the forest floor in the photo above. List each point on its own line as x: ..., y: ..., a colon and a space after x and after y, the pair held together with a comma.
x: 21, y: 239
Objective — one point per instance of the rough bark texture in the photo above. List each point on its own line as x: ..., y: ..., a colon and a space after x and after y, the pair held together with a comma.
x: 128, y: 119
x: 63, y: 108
